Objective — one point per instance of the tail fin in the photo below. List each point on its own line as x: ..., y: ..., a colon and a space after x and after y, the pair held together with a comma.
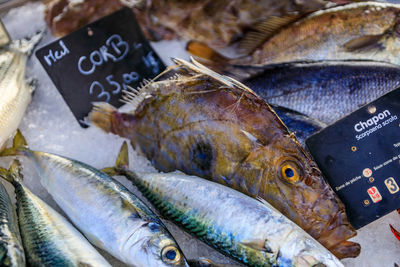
x: 13, y: 174
x: 238, y: 68
x: 27, y: 45
x: 20, y: 147
x: 121, y: 163
x: 101, y: 116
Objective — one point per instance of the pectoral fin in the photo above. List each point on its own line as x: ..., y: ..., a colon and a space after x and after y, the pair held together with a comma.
x: 261, y: 245
x: 365, y: 44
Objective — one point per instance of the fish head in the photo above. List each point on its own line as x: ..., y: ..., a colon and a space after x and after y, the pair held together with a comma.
x: 301, y: 250
x: 291, y: 182
x: 152, y: 245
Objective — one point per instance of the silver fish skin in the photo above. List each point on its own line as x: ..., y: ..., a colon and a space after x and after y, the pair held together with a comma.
x: 11, y: 249
x: 237, y: 225
x: 108, y: 214
x: 326, y: 90
x: 233, y: 222
x: 48, y: 238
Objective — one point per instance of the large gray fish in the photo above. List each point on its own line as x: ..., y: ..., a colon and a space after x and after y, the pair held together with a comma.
x: 49, y: 239
x: 11, y: 249
x: 111, y: 217
x: 237, y: 225
x: 15, y: 89
x: 326, y: 90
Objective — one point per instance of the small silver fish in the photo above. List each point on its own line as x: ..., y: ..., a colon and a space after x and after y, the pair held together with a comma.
x: 49, y: 239
x: 237, y: 225
x: 110, y: 216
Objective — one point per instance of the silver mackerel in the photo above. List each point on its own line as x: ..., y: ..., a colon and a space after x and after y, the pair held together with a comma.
x: 110, y: 216
x: 49, y: 239
x: 237, y: 225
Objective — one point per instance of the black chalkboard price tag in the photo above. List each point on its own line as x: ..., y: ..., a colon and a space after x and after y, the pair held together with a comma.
x: 360, y: 157
x: 97, y: 62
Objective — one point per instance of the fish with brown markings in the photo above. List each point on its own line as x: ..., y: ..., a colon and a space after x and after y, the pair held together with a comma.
x: 367, y: 30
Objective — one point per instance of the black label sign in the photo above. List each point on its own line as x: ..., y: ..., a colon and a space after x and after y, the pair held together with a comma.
x: 360, y: 157
x: 97, y: 62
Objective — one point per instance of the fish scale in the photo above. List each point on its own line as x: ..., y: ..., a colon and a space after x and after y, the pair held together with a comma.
x: 11, y: 250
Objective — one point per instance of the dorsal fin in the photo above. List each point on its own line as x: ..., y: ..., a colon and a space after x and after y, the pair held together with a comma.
x: 263, y: 31
x: 365, y: 43
x: 134, y: 96
x: 228, y: 81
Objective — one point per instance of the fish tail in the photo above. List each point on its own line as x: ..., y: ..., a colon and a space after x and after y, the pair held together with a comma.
x: 28, y: 44
x: 122, y: 162
x: 19, y: 147
x: 236, y: 68
x: 13, y: 174
x: 101, y: 116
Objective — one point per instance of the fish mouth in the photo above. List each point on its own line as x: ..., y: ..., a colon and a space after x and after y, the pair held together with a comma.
x: 335, y: 237
x: 346, y: 249
x: 333, y: 231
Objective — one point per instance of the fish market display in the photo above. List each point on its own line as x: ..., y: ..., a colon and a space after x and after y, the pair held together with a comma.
x: 214, y: 127
x: 49, y: 239
x: 11, y: 249
x: 217, y: 23
x: 298, y: 123
x: 327, y: 90
x: 15, y: 90
x: 111, y: 217
x: 367, y: 30
x: 239, y: 226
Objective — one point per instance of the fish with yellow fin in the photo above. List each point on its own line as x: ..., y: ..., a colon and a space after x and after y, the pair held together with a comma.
x: 366, y: 30
x: 212, y: 126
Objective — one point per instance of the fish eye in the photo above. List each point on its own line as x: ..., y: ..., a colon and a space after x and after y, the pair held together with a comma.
x: 290, y: 172
x: 170, y: 255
